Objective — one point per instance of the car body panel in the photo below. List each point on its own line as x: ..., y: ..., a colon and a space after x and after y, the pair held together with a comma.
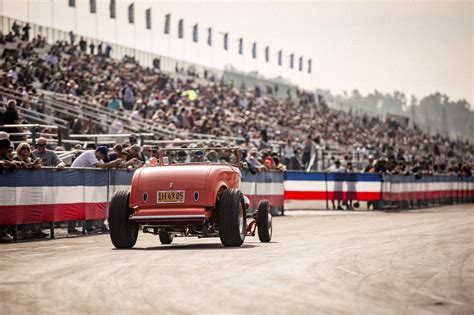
x: 195, y: 180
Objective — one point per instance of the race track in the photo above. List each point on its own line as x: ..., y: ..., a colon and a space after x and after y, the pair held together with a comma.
x: 319, y: 262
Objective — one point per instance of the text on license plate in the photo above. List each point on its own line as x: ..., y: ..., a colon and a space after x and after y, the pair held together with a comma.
x: 170, y: 196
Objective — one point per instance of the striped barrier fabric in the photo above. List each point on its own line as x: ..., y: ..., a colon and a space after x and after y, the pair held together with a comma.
x: 265, y: 185
x: 332, y: 186
x: 52, y: 195
x: 400, y: 188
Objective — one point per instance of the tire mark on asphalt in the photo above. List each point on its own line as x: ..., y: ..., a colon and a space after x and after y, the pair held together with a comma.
x: 417, y: 288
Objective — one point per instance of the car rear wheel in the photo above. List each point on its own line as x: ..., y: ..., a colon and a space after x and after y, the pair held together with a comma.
x: 232, y: 219
x: 264, y: 221
x: 123, y: 232
x: 165, y: 237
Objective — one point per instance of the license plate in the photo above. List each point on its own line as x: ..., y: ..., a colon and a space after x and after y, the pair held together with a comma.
x: 170, y: 196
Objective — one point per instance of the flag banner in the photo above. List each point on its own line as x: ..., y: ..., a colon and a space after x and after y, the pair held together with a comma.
x: 309, y: 66
x: 167, y: 23
x: 226, y: 41
x: 241, y: 46
x: 280, y: 53
x: 267, y: 54
x: 209, y: 36
x: 131, y: 17
x: 148, y: 19
x: 93, y: 6
x: 300, y: 66
x: 195, y: 33
x: 180, y: 29
x: 112, y: 9
x: 292, y: 59
x: 254, y: 50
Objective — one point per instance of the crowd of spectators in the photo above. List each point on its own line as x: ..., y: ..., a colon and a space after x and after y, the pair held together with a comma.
x: 304, y: 122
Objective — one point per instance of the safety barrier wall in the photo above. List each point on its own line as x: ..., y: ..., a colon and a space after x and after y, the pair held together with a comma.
x: 265, y: 185
x: 52, y: 195
x: 331, y: 186
x: 434, y: 188
x: 377, y: 187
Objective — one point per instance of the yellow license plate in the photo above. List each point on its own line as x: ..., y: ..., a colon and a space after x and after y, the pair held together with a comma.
x: 170, y: 196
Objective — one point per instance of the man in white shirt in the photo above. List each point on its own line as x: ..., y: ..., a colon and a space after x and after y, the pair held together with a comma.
x: 91, y: 158
x: 95, y: 158
x: 336, y: 167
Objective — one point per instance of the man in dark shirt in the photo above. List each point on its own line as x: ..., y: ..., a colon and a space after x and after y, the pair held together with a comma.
x: 10, y: 117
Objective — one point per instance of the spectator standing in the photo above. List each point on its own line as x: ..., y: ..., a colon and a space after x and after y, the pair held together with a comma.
x: 11, y: 117
x: 114, y: 103
x: 72, y: 37
x: 26, y: 31
x: 108, y: 49
x: 337, y: 168
x: 47, y: 157
x: 128, y: 98
x: 5, y: 161
x: 307, y: 148
x: 351, y: 188
x: 99, y: 49
x: 83, y: 45
x: 16, y: 29
x: 289, y: 151
x: 295, y: 161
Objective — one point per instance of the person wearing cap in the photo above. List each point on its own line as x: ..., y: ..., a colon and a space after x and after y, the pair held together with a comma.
x: 95, y: 158
x: 5, y: 160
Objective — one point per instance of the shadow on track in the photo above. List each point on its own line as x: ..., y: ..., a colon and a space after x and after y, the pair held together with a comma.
x: 216, y: 246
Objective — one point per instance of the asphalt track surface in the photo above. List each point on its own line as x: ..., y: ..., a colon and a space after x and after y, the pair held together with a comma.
x: 412, y: 262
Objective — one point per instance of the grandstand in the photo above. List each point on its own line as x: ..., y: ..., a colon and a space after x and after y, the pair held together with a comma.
x: 78, y: 88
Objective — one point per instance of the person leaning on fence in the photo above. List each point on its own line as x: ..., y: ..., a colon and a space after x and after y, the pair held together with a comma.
x: 254, y: 162
x: 95, y: 158
x: 25, y: 158
x: 5, y: 146
x: 47, y: 157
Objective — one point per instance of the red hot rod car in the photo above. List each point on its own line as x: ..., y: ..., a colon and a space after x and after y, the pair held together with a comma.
x: 191, y: 192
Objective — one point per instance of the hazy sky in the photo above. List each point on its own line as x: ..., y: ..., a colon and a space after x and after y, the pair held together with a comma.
x: 416, y: 47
